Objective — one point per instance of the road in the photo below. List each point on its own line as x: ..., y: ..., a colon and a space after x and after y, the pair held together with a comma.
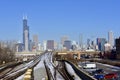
x: 106, y: 68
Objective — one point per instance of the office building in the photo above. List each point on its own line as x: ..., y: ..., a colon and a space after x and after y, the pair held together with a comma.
x: 74, y: 45
x: 31, y: 45
x: 50, y: 44
x: 68, y: 44
x: 64, y: 38
x: 26, y: 35
x: 88, y: 43
x: 35, y: 41
x: 44, y: 45
x: 81, y: 41
x: 101, y: 42
x: 107, y: 47
x: 55, y: 45
x: 19, y: 47
x: 40, y: 47
x: 117, y: 43
x: 111, y: 38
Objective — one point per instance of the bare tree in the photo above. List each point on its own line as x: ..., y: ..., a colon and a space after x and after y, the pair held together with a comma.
x: 6, y: 55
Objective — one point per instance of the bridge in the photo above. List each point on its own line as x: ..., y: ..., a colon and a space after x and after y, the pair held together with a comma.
x: 61, y: 54
x: 76, y: 54
x: 27, y: 55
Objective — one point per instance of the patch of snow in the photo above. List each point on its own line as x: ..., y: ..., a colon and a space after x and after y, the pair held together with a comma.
x: 71, y: 71
x: 39, y: 65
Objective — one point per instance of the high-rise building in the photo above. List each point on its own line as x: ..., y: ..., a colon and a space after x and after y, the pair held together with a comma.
x: 64, y: 38
x: 31, y: 45
x: 107, y: 47
x: 88, y: 43
x: 117, y: 43
x: 68, y: 44
x: 35, y: 41
x: 40, y: 47
x: 50, y: 44
x: 19, y: 47
x: 101, y: 42
x: 74, y: 45
x: 55, y: 45
x: 81, y: 41
x: 44, y: 45
x: 111, y: 38
x: 25, y: 34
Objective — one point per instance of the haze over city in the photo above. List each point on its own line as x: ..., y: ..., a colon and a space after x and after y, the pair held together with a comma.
x: 55, y: 18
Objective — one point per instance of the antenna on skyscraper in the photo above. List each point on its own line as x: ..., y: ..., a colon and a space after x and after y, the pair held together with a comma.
x: 24, y: 16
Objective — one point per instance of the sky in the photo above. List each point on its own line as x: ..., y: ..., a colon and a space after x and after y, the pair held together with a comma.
x: 52, y: 19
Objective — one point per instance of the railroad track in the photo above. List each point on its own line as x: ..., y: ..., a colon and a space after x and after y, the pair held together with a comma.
x: 55, y: 72
x: 12, y: 72
x: 64, y: 70
x: 8, y: 68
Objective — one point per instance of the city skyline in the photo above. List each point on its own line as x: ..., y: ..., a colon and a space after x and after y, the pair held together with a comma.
x: 54, y: 19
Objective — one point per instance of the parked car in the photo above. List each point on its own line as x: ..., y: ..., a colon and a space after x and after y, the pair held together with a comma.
x: 99, y: 76
x: 98, y: 71
x: 89, y: 66
x: 113, y: 76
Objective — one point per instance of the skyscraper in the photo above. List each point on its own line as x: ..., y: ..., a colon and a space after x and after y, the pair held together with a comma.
x: 111, y: 38
x: 101, y: 42
x: 64, y: 38
x: 81, y: 41
x: 88, y: 43
x: 44, y: 45
x: 19, y: 47
x: 35, y: 41
x: 50, y: 44
x: 25, y: 34
x: 68, y: 44
x: 117, y: 43
x: 55, y: 45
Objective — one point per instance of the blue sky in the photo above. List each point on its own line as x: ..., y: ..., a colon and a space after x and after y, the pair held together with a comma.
x: 51, y: 19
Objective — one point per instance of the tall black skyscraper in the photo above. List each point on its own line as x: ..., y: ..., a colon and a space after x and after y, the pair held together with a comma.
x: 25, y: 34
